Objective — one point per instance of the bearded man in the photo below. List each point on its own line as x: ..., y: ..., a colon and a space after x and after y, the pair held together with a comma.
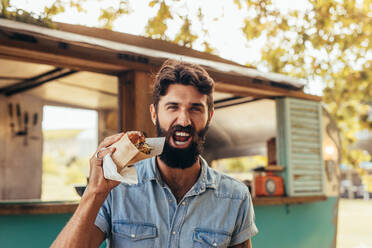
x: 179, y: 200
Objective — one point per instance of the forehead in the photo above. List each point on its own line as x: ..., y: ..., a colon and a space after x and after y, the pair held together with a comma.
x: 186, y: 94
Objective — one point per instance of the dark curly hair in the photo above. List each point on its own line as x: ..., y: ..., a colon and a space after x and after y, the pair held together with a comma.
x: 179, y: 72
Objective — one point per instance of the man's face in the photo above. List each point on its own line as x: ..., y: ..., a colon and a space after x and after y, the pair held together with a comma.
x: 182, y: 117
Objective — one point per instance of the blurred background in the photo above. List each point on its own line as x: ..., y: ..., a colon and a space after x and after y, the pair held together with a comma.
x: 325, y: 44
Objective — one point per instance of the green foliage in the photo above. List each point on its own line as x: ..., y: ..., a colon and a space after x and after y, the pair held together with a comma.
x: 327, y: 41
x: 61, y: 134
x: 56, y: 8
x: 75, y: 171
x: 157, y: 26
x: 4, y: 5
x: 174, y: 10
x: 185, y: 37
x: 242, y: 164
x: 20, y: 15
x: 235, y: 165
x: 50, y: 165
x: 77, y: 5
x: 208, y: 48
x: 110, y: 14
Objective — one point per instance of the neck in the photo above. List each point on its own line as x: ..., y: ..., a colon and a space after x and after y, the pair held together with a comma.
x: 179, y: 181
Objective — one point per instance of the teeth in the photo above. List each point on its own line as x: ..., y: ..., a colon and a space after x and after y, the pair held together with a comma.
x: 184, y: 134
x: 180, y: 143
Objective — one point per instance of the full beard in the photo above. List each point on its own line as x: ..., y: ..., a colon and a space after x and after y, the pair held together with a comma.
x: 185, y: 157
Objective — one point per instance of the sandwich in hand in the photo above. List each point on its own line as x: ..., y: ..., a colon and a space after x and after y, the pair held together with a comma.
x: 139, y: 141
x: 131, y: 148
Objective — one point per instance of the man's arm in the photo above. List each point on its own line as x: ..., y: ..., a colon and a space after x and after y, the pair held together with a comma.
x: 80, y: 228
x: 245, y: 244
x: 80, y: 231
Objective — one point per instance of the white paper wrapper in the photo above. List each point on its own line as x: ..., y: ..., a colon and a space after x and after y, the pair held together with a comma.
x: 127, y: 175
x: 118, y: 166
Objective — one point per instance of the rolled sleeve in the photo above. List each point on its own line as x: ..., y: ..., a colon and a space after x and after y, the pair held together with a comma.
x: 102, y: 224
x: 244, y: 235
x: 245, y: 227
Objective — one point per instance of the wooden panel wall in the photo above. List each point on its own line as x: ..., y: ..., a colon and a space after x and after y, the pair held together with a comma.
x: 135, y: 97
x: 20, y: 162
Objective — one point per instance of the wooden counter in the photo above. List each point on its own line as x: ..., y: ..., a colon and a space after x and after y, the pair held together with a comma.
x: 37, y: 207
x: 262, y: 201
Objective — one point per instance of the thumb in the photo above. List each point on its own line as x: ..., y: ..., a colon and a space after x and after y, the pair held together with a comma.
x: 112, y: 149
x: 106, y: 151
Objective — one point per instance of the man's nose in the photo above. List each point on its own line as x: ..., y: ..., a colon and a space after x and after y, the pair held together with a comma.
x: 184, y: 119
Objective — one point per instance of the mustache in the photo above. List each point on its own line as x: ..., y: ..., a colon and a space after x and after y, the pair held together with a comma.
x: 178, y: 128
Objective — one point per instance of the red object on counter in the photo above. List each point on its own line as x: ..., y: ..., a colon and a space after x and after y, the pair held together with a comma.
x: 268, y: 184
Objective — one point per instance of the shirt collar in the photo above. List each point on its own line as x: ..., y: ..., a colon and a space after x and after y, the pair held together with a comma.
x: 205, y: 180
x: 151, y: 172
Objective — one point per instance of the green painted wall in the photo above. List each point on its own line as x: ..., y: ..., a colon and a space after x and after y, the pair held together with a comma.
x: 297, y: 226
x: 30, y: 230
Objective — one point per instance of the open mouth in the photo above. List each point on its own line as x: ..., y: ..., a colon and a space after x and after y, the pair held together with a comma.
x: 181, y: 139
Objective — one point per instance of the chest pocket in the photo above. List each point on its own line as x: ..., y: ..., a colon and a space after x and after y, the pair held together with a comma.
x: 130, y: 234
x: 208, y: 238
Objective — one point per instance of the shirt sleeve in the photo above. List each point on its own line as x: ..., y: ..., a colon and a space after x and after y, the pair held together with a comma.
x: 245, y: 226
x: 103, y: 219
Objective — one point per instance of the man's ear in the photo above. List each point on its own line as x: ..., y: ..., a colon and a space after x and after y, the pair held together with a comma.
x: 153, y: 113
x: 211, y: 115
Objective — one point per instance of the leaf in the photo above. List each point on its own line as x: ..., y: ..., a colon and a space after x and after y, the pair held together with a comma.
x: 238, y: 3
x: 77, y: 6
x: 185, y: 37
x: 156, y: 26
x: 153, y: 3
x: 208, y: 48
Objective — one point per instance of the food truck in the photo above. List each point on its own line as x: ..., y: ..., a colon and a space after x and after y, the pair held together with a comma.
x: 295, y: 195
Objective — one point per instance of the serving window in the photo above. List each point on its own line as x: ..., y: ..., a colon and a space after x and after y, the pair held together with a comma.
x: 69, y: 140
x: 51, y: 121
x: 275, y: 146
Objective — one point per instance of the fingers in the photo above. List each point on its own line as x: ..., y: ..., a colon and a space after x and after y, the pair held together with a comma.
x: 103, y: 152
x: 97, y: 158
x: 110, y: 140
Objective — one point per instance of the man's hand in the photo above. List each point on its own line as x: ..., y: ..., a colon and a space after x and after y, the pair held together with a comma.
x: 97, y: 183
x: 80, y: 231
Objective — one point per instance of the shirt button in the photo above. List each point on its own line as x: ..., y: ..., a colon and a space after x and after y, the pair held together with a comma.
x: 183, y: 203
x: 214, y: 244
x: 174, y: 233
x: 133, y: 235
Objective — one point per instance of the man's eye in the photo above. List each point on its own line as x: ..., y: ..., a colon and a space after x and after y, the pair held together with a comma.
x: 196, y: 109
x: 172, y: 107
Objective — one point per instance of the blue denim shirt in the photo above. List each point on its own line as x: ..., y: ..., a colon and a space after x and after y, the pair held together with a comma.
x: 216, y: 212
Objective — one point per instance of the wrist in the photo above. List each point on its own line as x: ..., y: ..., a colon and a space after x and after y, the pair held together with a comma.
x: 97, y: 194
